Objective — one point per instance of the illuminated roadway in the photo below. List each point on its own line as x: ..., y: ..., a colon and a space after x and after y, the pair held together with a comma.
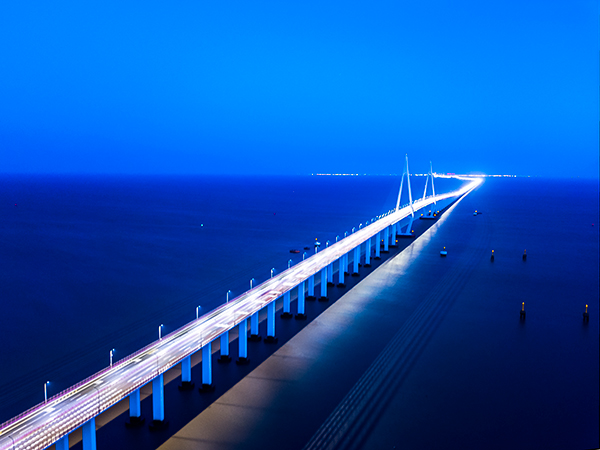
x: 46, y: 423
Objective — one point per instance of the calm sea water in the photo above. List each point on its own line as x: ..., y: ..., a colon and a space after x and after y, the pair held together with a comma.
x: 94, y: 263
x: 90, y: 264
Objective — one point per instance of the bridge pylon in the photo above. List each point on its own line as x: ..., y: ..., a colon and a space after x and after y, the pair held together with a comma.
x: 406, y: 174
x: 432, y: 213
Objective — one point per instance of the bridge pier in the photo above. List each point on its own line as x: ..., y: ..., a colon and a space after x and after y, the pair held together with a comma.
x: 323, y: 297
x: 62, y: 443
x: 88, y: 434
x: 356, y: 261
x: 311, y: 288
x: 287, y: 314
x: 207, y: 384
x: 243, y: 343
x: 271, y: 339
x: 225, y: 358
x: 341, y: 272
x: 254, y: 336
x: 386, y: 240
x: 135, y: 410
x: 301, y: 314
x: 378, y: 246
x: 330, y: 275
x: 368, y: 253
x: 158, y: 402
x: 186, y: 374
x: 394, y: 232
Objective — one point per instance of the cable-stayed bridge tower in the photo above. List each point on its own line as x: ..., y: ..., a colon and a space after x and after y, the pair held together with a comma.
x: 432, y: 213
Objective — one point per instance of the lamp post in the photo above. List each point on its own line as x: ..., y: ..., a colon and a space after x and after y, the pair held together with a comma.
x: 272, y: 272
x: 353, y: 228
x: 46, y: 391
x: 304, y: 256
x: 228, y: 292
x: 111, y: 356
x: 160, y: 331
x: 337, y: 237
x: 326, y: 244
x: 251, y: 281
x: 198, y: 311
x: 289, y: 263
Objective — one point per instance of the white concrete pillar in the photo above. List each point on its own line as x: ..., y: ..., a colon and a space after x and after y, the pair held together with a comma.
x: 286, y: 302
x: 271, y: 320
x: 368, y: 253
x: 356, y: 260
x: 386, y: 239
x: 311, y: 286
x: 225, y: 344
x: 378, y: 246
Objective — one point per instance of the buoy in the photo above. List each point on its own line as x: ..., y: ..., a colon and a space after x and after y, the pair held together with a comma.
x: 522, y: 314
x: 586, y: 316
x: 475, y: 213
x: 525, y: 255
x: 492, y: 257
x: 444, y: 252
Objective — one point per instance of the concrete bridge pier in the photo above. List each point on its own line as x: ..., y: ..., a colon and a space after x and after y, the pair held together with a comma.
x: 135, y: 410
x: 224, y: 358
x: 368, y: 253
x: 330, y: 275
x: 62, y: 443
x: 323, y: 297
x: 301, y: 315
x: 287, y: 314
x: 88, y: 433
x: 254, y: 336
x: 394, y: 232
x: 356, y: 261
x: 341, y: 272
x: 186, y: 375
x: 158, y: 403
x: 271, y: 339
x: 207, y: 384
x: 311, y: 288
x: 378, y: 246
x: 243, y: 343
x: 386, y: 240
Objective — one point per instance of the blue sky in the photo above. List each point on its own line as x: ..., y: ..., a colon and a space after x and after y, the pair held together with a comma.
x: 299, y: 87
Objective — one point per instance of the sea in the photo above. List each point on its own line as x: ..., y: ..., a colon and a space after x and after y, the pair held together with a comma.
x: 89, y: 264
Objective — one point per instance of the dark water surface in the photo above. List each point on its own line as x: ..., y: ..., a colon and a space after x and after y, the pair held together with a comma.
x: 94, y: 263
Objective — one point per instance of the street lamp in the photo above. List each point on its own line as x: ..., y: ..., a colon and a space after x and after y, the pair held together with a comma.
x: 345, y: 233
x: 160, y: 331
x: 198, y: 311
x: 353, y: 228
x: 289, y: 263
x: 46, y: 391
x: 326, y: 244
x: 228, y: 292
x: 303, y: 256
x: 360, y: 226
x: 111, y: 356
x: 337, y: 237
x: 251, y: 281
x: 272, y: 272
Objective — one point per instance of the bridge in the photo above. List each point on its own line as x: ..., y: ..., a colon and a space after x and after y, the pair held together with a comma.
x: 51, y: 422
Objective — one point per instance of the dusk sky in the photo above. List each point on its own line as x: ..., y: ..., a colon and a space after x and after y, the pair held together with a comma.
x: 299, y: 87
